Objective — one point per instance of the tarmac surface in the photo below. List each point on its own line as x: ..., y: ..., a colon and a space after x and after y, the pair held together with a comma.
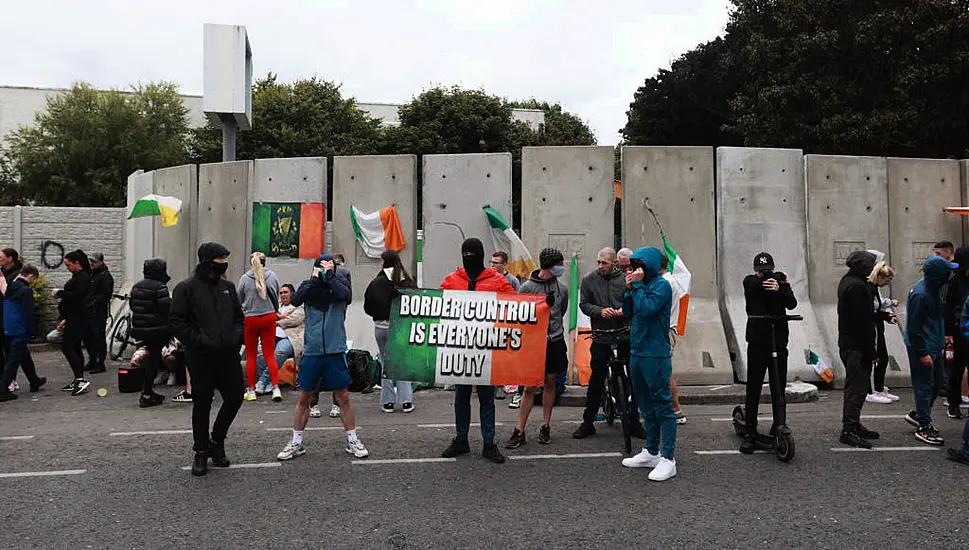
x: 99, y: 472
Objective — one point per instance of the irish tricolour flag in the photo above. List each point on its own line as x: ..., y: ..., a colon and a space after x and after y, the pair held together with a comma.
x: 677, y: 268
x: 158, y: 205
x: 462, y: 337
x: 520, y: 263
x: 377, y: 231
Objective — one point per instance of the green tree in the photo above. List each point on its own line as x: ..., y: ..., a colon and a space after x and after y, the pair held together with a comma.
x: 305, y: 118
x: 560, y: 127
x: 81, y: 151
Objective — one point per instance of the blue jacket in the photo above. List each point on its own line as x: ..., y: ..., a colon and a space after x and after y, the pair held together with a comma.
x: 325, y: 301
x: 925, y: 322
x: 18, y: 311
x: 648, y: 305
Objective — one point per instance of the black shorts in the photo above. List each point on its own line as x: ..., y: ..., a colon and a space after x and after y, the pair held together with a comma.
x: 556, y: 357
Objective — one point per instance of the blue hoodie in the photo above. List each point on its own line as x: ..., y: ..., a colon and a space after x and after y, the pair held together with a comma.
x: 648, y: 304
x: 325, y: 299
x: 925, y: 323
x: 18, y: 311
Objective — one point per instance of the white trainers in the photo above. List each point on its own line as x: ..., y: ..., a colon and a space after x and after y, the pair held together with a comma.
x: 277, y: 395
x: 516, y: 402
x: 878, y: 397
x: 14, y: 386
x: 335, y: 411
x: 250, y: 395
x: 643, y: 460
x: 291, y: 450
x: 664, y: 470
x: 357, y: 449
x: 680, y: 417
x: 315, y: 411
x: 891, y: 396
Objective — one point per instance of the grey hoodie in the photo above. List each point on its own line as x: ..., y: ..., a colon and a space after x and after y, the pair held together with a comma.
x: 537, y: 285
x: 254, y: 305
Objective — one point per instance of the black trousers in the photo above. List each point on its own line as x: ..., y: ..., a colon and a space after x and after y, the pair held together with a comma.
x: 857, y: 375
x: 95, y: 338
x: 153, y: 365
x: 956, y: 368
x: 209, y: 373
x: 880, y: 366
x: 758, y: 362
x: 601, y: 354
x: 71, y: 345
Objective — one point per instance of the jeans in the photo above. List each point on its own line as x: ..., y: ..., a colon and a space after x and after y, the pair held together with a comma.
x: 17, y: 356
x: 405, y: 393
x: 71, y: 345
x: 95, y: 338
x: 211, y: 372
x: 926, y: 384
x: 651, y: 384
x: 759, y: 359
x: 599, y: 363
x: 283, y: 351
x: 857, y: 379
x: 462, y: 412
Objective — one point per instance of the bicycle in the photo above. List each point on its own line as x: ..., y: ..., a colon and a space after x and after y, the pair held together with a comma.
x: 617, y: 395
x: 121, y: 330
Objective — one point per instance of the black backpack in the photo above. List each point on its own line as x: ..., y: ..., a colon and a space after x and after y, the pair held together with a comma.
x: 365, y: 371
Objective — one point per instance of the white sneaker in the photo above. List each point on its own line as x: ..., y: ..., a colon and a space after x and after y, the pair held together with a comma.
x: 891, y: 396
x: 171, y: 379
x: 357, y: 449
x: 680, y: 417
x: 516, y: 402
x: 291, y: 450
x: 335, y: 411
x: 664, y: 470
x: 14, y: 386
x: 250, y: 395
x: 643, y: 460
x: 878, y: 397
x: 315, y: 411
x: 277, y: 395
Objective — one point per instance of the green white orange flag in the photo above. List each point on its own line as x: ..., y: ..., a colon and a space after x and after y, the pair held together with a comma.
x: 578, y: 321
x: 467, y: 337
x: 520, y: 262
x: 377, y: 231
x: 158, y: 205
x: 679, y: 272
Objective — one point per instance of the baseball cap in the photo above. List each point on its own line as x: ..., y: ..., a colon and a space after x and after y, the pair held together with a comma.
x: 763, y: 261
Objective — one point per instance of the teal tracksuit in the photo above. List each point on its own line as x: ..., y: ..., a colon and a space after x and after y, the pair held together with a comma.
x: 648, y: 305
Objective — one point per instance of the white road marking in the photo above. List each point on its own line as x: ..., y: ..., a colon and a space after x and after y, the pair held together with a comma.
x: 403, y: 460
x: 449, y: 425
x: 728, y: 452
x: 770, y: 419
x: 883, y: 449
x: 156, y: 432
x: 718, y: 388
x: 572, y: 455
x: 244, y: 466
x: 44, y: 474
x: 16, y: 437
x: 277, y: 412
x: 309, y: 429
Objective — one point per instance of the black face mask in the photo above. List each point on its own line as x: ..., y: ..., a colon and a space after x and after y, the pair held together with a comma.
x: 213, y: 270
x: 472, y: 256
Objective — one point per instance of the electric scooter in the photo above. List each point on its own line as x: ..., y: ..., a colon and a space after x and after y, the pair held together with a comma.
x: 782, y: 441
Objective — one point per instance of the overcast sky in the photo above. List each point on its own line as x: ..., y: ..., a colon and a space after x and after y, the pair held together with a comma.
x: 590, y: 56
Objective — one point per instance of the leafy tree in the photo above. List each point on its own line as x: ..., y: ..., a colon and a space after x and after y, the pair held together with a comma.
x: 81, y: 151
x: 305, y: 118
x: 10, y: 188
x: 560, y: 127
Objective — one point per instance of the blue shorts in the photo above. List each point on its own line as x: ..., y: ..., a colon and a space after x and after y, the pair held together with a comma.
x: 331, y: 370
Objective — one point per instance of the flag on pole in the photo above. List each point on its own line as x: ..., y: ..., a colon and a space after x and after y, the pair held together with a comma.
x: 677, y: 268
x: 377, y: 231
x: 578, y: 321
x: 520, y: 263
x: 574, y: 292
x: 158, y: 205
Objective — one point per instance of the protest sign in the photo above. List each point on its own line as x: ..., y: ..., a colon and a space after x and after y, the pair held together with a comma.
x: 463, y: 337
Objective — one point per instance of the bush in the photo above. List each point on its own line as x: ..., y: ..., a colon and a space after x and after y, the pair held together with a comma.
x: 42, y: 301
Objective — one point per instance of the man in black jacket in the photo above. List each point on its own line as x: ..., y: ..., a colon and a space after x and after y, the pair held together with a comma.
x: 766, y: 292
x: 73, y: 308
x: 856, y: 344
x: 150, y: 304
x: 99, y: 302
x: 955, y: 296
x: 207, y: 318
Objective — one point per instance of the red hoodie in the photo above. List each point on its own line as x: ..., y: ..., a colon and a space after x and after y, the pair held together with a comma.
x: 489, y: 281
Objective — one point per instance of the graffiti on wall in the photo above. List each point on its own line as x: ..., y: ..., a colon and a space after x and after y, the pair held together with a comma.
x: 288, y: 230
x: 51, y: 254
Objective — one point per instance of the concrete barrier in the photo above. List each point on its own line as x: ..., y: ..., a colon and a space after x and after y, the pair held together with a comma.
x: 287, y: 181
x: 371, y: 183
x: 847, y: 210
x: 174, y: 244
x: 678, y: 181
x: 224, y: 213
x: 139, y: 232
x: 455, y: 188
x: 761, y: 208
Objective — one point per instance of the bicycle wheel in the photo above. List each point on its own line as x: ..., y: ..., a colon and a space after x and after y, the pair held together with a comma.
x: 623, y: 403
x: 119, y: 338
x: 608, y: 409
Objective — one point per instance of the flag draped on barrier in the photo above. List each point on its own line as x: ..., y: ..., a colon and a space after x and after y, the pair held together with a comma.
x: 520, y: 263
x: 377, y: 231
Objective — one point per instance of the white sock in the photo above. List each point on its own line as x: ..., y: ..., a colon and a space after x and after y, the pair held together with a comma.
x: 298, y: 436
x: 352, y: 435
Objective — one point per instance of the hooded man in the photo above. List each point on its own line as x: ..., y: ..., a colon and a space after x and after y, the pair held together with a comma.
x: 206, y: 317
x: 99, y: 304
x: 647, y: 303
x: 150, y: 303
x: 546, y: 281
x: 324, y: 363
x: 955, y: 297
x: 925, y: 341
x: 474, y: 276
x: 856, y: 344
x: 19, y: 327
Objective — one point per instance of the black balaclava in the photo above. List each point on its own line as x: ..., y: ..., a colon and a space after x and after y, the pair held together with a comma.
x: 209, y: 270
x: 472, y: 253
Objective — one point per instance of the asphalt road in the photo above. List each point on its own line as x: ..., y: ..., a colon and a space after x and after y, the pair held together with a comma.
x: 132, y: 491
